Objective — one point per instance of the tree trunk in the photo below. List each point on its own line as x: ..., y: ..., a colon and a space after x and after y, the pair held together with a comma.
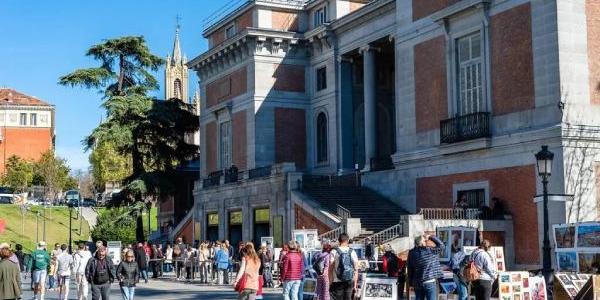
x: 139, y: 228
x: 121, y: 75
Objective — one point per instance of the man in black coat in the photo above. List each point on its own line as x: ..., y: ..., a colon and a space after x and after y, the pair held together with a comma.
x: 98, y: 273
x: 142, y: 261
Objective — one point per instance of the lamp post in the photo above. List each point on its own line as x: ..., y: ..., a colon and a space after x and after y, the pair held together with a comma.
x: 37, y: 227
x: 544, y: 165
x: 70, y: 226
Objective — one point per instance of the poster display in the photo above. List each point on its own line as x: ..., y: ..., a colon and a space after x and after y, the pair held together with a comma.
x: 455, y: 238
x: 310, y: 286
x: 514, y: 286
x: 537, y: 285
x: 379, y: 289
x: 577, y: 247
x: 113, y: 250
x: 306, y: 238
x: 267, y: 240
x: 569, y: 283
x: 497, y: 254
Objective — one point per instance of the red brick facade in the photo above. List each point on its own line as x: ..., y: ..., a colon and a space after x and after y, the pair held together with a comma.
x: 431, y: 102
x: 238, y: 128
x: 282, y: 20
x: 592, y: 10
x: 27, y: 143
x: 304, y: 220
x: 514, y: 186
x: 241, y: 23
x: 597, y: 174
x: 496, y: 238
x: 211, y: 147
x: 423, y: 8
x: 289, y: 78
x: 512, y: 61
x: 187, y: 232
x: 227, y: 87
x: 290, y: 136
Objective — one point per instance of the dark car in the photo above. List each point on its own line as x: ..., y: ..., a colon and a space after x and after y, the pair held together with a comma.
x: 6, y: 200
x: 88, y: 203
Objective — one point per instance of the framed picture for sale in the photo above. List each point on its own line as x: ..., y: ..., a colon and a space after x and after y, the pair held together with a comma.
x: 380, y: 289
x: 310, y: 286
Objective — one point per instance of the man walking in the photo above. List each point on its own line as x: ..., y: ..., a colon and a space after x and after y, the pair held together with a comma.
x: 344, y: 270
x: 39, y: 270
x: 291, y: 273
x: 424, y: 267
x: 80, y: 260
x: 99, y: 273
x: 64, y: 263
x: 141, y: 259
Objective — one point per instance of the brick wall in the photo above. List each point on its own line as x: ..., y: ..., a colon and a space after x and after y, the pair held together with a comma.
x: 211, y: 147
x: 288, y: 78
x: 431, y: 103
x: 304, y: 220
x: 241, y: 23
x: 496, y: 238
x: 422, y: 8
x: 226, y: 87
x: 592, y: 10
x: 217, y: 37
x: 238, y: 128
x: 187, y: 232
x: 290, y: 136
x: 512, y: 60
x: 514, y: 186
x: 27, y: 143
x: 282, y: 20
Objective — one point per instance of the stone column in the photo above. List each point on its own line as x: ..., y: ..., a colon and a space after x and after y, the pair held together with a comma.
x: 370, y: 104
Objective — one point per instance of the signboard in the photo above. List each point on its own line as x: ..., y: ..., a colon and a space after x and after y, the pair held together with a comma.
x: 113, y: 249
x: 266, y: 240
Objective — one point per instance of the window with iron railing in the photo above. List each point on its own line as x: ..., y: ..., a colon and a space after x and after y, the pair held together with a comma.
x: 470, y: 87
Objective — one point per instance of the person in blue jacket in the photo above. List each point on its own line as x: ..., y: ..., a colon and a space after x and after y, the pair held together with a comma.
x: 222, y: 261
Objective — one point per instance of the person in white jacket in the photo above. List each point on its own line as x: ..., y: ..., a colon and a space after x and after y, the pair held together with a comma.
x: 80, y: 260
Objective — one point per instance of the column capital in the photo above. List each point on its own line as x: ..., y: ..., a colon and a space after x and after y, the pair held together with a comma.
x: 368, y: 47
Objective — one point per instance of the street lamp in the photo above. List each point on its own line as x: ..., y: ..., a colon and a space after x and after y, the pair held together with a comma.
x: 544, y: 166
x: 70, y: 225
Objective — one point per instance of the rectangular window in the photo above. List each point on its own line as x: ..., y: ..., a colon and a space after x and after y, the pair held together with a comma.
x: 320, y: 16
x: 262, y: 215
x: 225, y: 144
x: 474, y: 198
x: 321, y: 78
x: 33, y: 119
x: 213, y: 219
x: 230, y: 31
x: 235, y: 218
x: 23, y: 119
x: 469, y: 66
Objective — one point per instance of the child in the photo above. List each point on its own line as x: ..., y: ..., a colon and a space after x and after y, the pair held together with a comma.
x: 52, y: 275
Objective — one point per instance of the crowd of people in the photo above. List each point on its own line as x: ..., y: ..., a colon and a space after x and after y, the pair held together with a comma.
x: 248, y: 269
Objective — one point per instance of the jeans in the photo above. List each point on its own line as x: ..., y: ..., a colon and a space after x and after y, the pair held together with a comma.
x: 203, y: 272
x: 144, y: 274
x: 482, y: 289
x: 341, y: 290
x: 127, y: 292
x: 461, y: 289
x: 82, y: 286
x: 168, y: 267
x: 301, y: 290
x: 223, y: 276
x: 290, y: 289
x: 426, y: 291
x: 100, y: 291
x: 247, y: 294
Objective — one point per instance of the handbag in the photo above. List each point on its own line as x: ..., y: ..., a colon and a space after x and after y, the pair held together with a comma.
x: 241, y: 284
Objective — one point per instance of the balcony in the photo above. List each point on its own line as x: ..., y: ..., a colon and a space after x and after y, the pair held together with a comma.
x: 464, y: 128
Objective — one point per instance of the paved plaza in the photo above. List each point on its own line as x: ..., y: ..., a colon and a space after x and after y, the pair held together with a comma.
x: 167, y: 289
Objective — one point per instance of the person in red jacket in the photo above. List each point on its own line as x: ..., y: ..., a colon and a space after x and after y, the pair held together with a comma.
x: 291, y: 272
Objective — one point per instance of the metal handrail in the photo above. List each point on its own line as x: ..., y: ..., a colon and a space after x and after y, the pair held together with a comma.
x: 451, y: 213
x: 385, y: 235
x: 342, y: 212
x: 332, y: 235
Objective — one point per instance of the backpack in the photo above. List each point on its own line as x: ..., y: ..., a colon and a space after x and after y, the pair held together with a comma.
x: 345, y: 267
x: 470, y: 272
x: 319, y: 264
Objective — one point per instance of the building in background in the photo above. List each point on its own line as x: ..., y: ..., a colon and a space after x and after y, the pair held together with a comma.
x: 431, y: 102
x: 26, y: 126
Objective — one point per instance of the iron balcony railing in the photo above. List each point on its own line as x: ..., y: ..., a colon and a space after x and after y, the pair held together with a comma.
x: 332, y: 235
x: 451, y: 214
x: 464, y: 128
x: 343, y: 213
x: 213, y: 179
x: 260, y: 172
x: 386, y: 235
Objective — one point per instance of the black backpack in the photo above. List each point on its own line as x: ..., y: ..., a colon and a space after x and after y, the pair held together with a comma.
x: 345, y: 267
x: 319, y: 264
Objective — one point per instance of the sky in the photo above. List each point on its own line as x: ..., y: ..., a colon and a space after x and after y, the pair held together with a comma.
x: 43, y: 40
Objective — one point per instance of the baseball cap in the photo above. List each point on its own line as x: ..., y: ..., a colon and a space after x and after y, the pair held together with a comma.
x: 42, y: 244
x: 4, y: 245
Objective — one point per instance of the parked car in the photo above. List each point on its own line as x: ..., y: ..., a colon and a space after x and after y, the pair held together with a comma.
x: 6, y: 199
x: 89, y: 203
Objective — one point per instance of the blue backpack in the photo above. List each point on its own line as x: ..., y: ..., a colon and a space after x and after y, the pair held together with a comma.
x: 345, y: 267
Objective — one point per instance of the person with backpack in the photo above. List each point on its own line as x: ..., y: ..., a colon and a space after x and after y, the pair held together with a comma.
x: 64, y: 265
x: 321, y: 267
x: 456, y: 265
x: 80, y: 260
x: 39, y: 270
x: 424, y: 267
x: 344, y: 273
x: 99, y: 273
x: 484, y: 270
x: 291, y: 272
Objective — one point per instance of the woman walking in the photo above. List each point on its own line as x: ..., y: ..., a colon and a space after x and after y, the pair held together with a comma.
x: 248, y: 274
x: 10, y: 279
x: 324, y: 259
x: 128, y: 275
x: 169, y: 259
x: 203, y: 263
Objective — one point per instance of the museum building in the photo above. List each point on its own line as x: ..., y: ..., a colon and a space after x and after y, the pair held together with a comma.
x: 376, y: 117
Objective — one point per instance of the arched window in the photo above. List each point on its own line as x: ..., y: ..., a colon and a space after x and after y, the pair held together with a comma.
x: 321, y: 137
x: 177, y: 89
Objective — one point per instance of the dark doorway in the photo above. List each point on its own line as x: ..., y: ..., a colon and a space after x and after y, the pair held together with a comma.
x: 212, y: 227
x: 235, y: 228
x: 262, y: 226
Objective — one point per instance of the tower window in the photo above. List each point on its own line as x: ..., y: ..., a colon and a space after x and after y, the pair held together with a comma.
x: 230, y: 31
x: 321, y: 138
x: 177, y: 93
x: 321, y: 78
x: 320, y: 16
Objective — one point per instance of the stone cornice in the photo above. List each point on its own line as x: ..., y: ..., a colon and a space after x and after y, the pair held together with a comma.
x: 366, y: 12
x: 27, y: 107
x: 457, y: 8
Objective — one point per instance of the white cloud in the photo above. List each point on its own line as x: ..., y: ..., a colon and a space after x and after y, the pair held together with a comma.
x: 76, y: 158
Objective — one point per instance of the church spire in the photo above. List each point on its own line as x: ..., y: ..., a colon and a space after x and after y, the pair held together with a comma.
x: 176, y: 57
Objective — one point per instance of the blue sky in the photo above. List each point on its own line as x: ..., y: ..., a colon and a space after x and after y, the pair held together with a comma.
x: 43, y: 40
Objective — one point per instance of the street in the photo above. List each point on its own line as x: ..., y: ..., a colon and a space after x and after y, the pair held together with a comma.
x: 166, y: 288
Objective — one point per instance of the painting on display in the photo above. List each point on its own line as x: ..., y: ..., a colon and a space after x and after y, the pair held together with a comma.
x: 564, y: 236
x: 577, y: 247
x: 537, y: 286
x: 514, y: 286
x: 310, y: 286
x: 497, y: 254
x: 569, y: 283
x: 588, y: 235
x: 589, y: 262
x: 306, y: 238
x: 457, y: 238
x: 359, y: 249
x: 380, y: 289
x: 567, y: 261
x: 267, y: 240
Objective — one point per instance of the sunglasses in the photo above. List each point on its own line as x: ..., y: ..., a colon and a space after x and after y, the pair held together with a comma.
x: 130, y: 256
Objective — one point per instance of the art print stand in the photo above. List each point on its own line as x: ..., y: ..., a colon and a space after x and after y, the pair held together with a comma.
x: 307, y: 239
x: 455, y: 238
x: 374, y: 288
x: 496, y: 252
x: 514, y: 286
x: 577, y: 247
x: 568, y: 285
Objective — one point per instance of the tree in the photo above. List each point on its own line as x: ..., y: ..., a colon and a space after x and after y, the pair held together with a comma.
x: 115, y: 224
x: 150, y: 132
x: 53, y: 173
x: 108, y: 165
x: 18, y: 175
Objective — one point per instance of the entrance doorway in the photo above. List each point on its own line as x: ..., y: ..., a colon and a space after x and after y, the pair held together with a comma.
x: 235, y: 228
x: 262, y: 225
x: 212, y: 227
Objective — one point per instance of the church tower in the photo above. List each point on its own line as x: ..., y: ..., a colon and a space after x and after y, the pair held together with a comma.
x: 176, y: 73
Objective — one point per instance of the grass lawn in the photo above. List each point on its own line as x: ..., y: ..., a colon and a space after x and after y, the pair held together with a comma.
x: 23, y: 230
x: 153, y: 218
